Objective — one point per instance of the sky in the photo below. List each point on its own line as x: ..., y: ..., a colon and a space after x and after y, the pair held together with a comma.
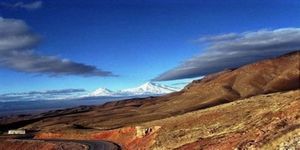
x: 78, y: 45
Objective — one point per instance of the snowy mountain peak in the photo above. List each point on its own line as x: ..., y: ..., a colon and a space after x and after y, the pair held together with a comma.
x: 150, y: 88
x: 147, y: 85
x: 150, y: 85
x: 146, y: 89
x: 102, y: 92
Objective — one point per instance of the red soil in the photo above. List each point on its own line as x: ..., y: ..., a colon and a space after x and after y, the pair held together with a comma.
x: 125, y: 137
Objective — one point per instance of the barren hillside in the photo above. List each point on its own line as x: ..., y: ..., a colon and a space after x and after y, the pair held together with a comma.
x: 255, y: 106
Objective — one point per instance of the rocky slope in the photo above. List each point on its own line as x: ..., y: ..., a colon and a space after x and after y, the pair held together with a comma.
x: 260, y: 122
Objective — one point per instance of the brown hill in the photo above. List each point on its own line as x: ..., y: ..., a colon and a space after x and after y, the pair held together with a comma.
x: 265, y: 121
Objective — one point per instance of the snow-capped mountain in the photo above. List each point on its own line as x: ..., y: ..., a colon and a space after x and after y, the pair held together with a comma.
x: 102, y: 92
x: 147, y: 89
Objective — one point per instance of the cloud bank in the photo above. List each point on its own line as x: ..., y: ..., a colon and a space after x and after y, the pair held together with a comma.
x: 17, y: 42
x: 28, y: 6
x: 235, y: 49
x: 42, y: 95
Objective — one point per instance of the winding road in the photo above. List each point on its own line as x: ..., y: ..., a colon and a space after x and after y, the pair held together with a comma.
x: 92, y: 144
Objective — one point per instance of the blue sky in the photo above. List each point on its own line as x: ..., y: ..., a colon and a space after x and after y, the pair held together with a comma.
x: 136, y: 40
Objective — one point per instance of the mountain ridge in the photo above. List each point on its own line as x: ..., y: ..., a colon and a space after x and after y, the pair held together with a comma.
x: 146, y: 89
x: 101, y: 92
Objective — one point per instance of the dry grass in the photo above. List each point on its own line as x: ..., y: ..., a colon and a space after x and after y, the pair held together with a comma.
x: 251, y: 114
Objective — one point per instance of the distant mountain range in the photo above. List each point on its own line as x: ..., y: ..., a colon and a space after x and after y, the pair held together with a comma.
x: 146, y: 89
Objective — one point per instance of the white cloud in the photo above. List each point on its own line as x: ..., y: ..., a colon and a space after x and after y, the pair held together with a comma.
x: 16, y: 52
x: 236, y: 49
x: 42, y: 95
x: 15, y: 35
x: 28, y: 6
